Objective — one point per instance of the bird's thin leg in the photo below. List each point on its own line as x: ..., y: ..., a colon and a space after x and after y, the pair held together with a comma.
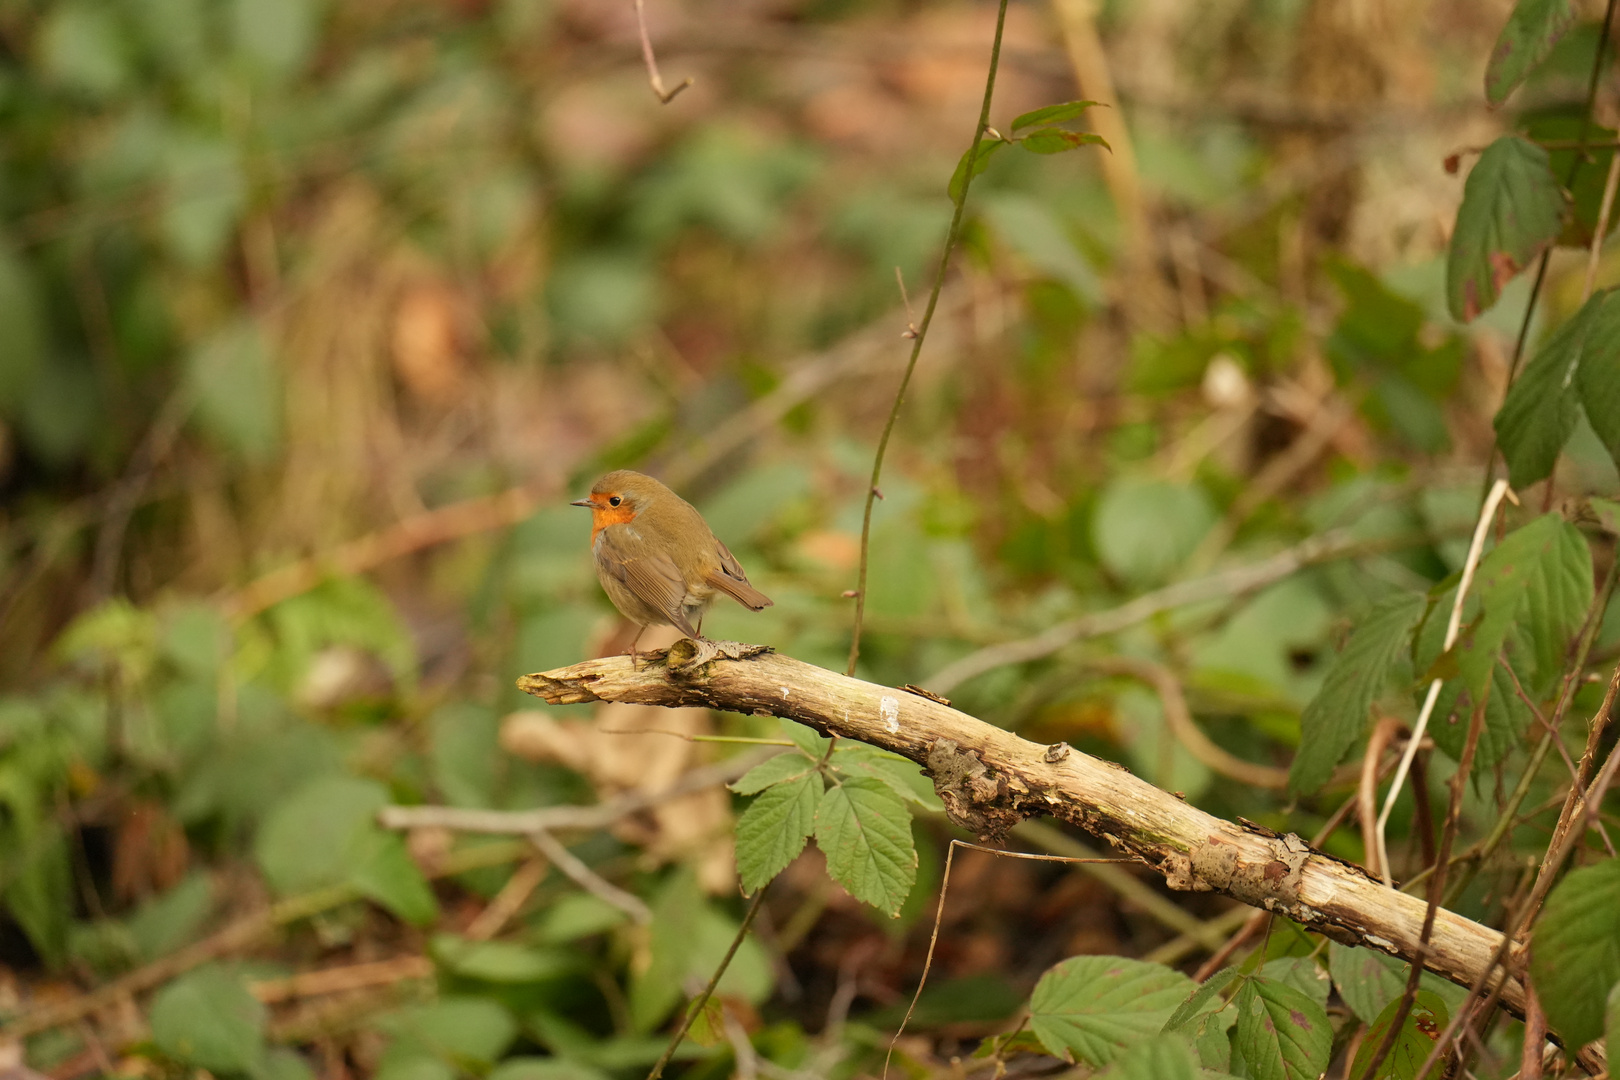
x: 700, y: 636
x: 633, y: 656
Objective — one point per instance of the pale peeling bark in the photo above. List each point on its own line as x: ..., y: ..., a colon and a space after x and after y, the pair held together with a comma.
x: 990, y: 779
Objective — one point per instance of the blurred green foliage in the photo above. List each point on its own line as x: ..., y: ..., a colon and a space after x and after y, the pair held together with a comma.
x: 277, y: 276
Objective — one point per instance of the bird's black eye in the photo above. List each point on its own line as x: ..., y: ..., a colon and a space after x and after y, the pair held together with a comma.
x: 615, y: 501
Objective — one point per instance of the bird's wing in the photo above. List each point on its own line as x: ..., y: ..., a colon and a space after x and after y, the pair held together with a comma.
x: 650, y: 575
x: 731, y: 580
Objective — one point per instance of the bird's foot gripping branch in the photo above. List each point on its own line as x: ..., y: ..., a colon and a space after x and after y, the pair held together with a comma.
x: 990, y: 779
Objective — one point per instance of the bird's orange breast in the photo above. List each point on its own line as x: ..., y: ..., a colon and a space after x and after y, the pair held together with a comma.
x: 602, y: 517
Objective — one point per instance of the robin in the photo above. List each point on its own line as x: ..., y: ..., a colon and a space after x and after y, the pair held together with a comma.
x: 656, y: 557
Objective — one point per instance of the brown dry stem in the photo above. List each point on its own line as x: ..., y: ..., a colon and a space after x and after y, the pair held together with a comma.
x: 990, y: 780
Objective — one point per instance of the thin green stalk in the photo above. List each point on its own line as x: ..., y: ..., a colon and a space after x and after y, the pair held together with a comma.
x: 921, y: 333
x: 708, y: 991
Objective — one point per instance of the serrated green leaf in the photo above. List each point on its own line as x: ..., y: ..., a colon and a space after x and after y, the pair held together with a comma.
x: 807, y: 739
x: 1598, y: 375
x: 1202, y: 1000
x: 904, y: 776
x: 1530, y: 34
x: 1090, y: 1008
x: 1419, y: 1031
x: 1337, y: 716
x: 1512, y: 208
x: 1054, y: 140
x: 864, y: 830
x: 786, y: 766
x: 1368, y: 980
x: 1506, y: 719
x: 1543, y: 404
x: 1156, y: 1059
x: 986, y: 149
x: 1282, y: 1033
x: 208, y: 1019
x: 1575, y: 951
x: 1051, y: 114
x: 1538, y: 580
x: 771, y: 832
x: 1607, y: 512
x: 1303, y: 974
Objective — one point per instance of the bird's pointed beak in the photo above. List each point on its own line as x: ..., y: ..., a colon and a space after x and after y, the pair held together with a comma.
x: 584, y: 502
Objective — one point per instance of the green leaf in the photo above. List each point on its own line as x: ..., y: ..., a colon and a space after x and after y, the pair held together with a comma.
x: 309, y: 839
x: 1337, y: 716
x: 1537, y: 581
x: 788, y: 766
x: 1530, y: 34
x: 771, y: 832
x: 276, y: 36
x: 986, y: 149
x: 454, y: 1029
x: 1203, y: 1000
x: 383, y: 870
x: 1543, y: 404
x: 904, y: 776
x: 1303, y: 974
x: 1090, y: 1008
x: 208, y: 1019
x: 82, y: 47
x: 238, y: 391
x: 24, y: 335
x: 575, y: 916
x: 544, y: 1068
x: 1283, y: 1034
x: 498, y: 961
x: 1611, y: 1019
x: 1506, y: 719
x: 1051, y: 114
x: 1056, y: 140
x: 1420, y: 1030
x: 806, y: 738
x: 1512, y: 208
x: 864, y: 830
x: 1575, y: 951
x: 1598, y: 376
x: 1145, y: 529
x: 1156, y: 1059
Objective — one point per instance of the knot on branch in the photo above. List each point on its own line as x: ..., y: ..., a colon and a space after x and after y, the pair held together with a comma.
x: 1220, y: 865
x: 979, y: 800
x: 688, y: 654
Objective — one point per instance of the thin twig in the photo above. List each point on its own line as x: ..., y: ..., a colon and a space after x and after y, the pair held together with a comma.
x: 654, y: 80
x: 1178, y: 717
x: 1482, y: 528
x: 233, y: 938
x: 922, y: 334
x: 1437, y: 884
x: 551, y: 818
x: 1604, y: 208
x: 1236, y: 581
x: 340, y: 980
x: 1383, y: 734
x: 939, y: 916
x: 702, y: 1000
x: 588, y: 879
x: 518, y: 888
x: 453, y: 522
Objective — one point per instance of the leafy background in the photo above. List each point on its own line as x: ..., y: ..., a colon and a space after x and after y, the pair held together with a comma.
x: 283, y: 280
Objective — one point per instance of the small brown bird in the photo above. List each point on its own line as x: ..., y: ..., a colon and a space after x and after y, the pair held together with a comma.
x: 656, y: 557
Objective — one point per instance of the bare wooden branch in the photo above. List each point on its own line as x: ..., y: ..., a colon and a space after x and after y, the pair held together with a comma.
x: 990, y: 780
